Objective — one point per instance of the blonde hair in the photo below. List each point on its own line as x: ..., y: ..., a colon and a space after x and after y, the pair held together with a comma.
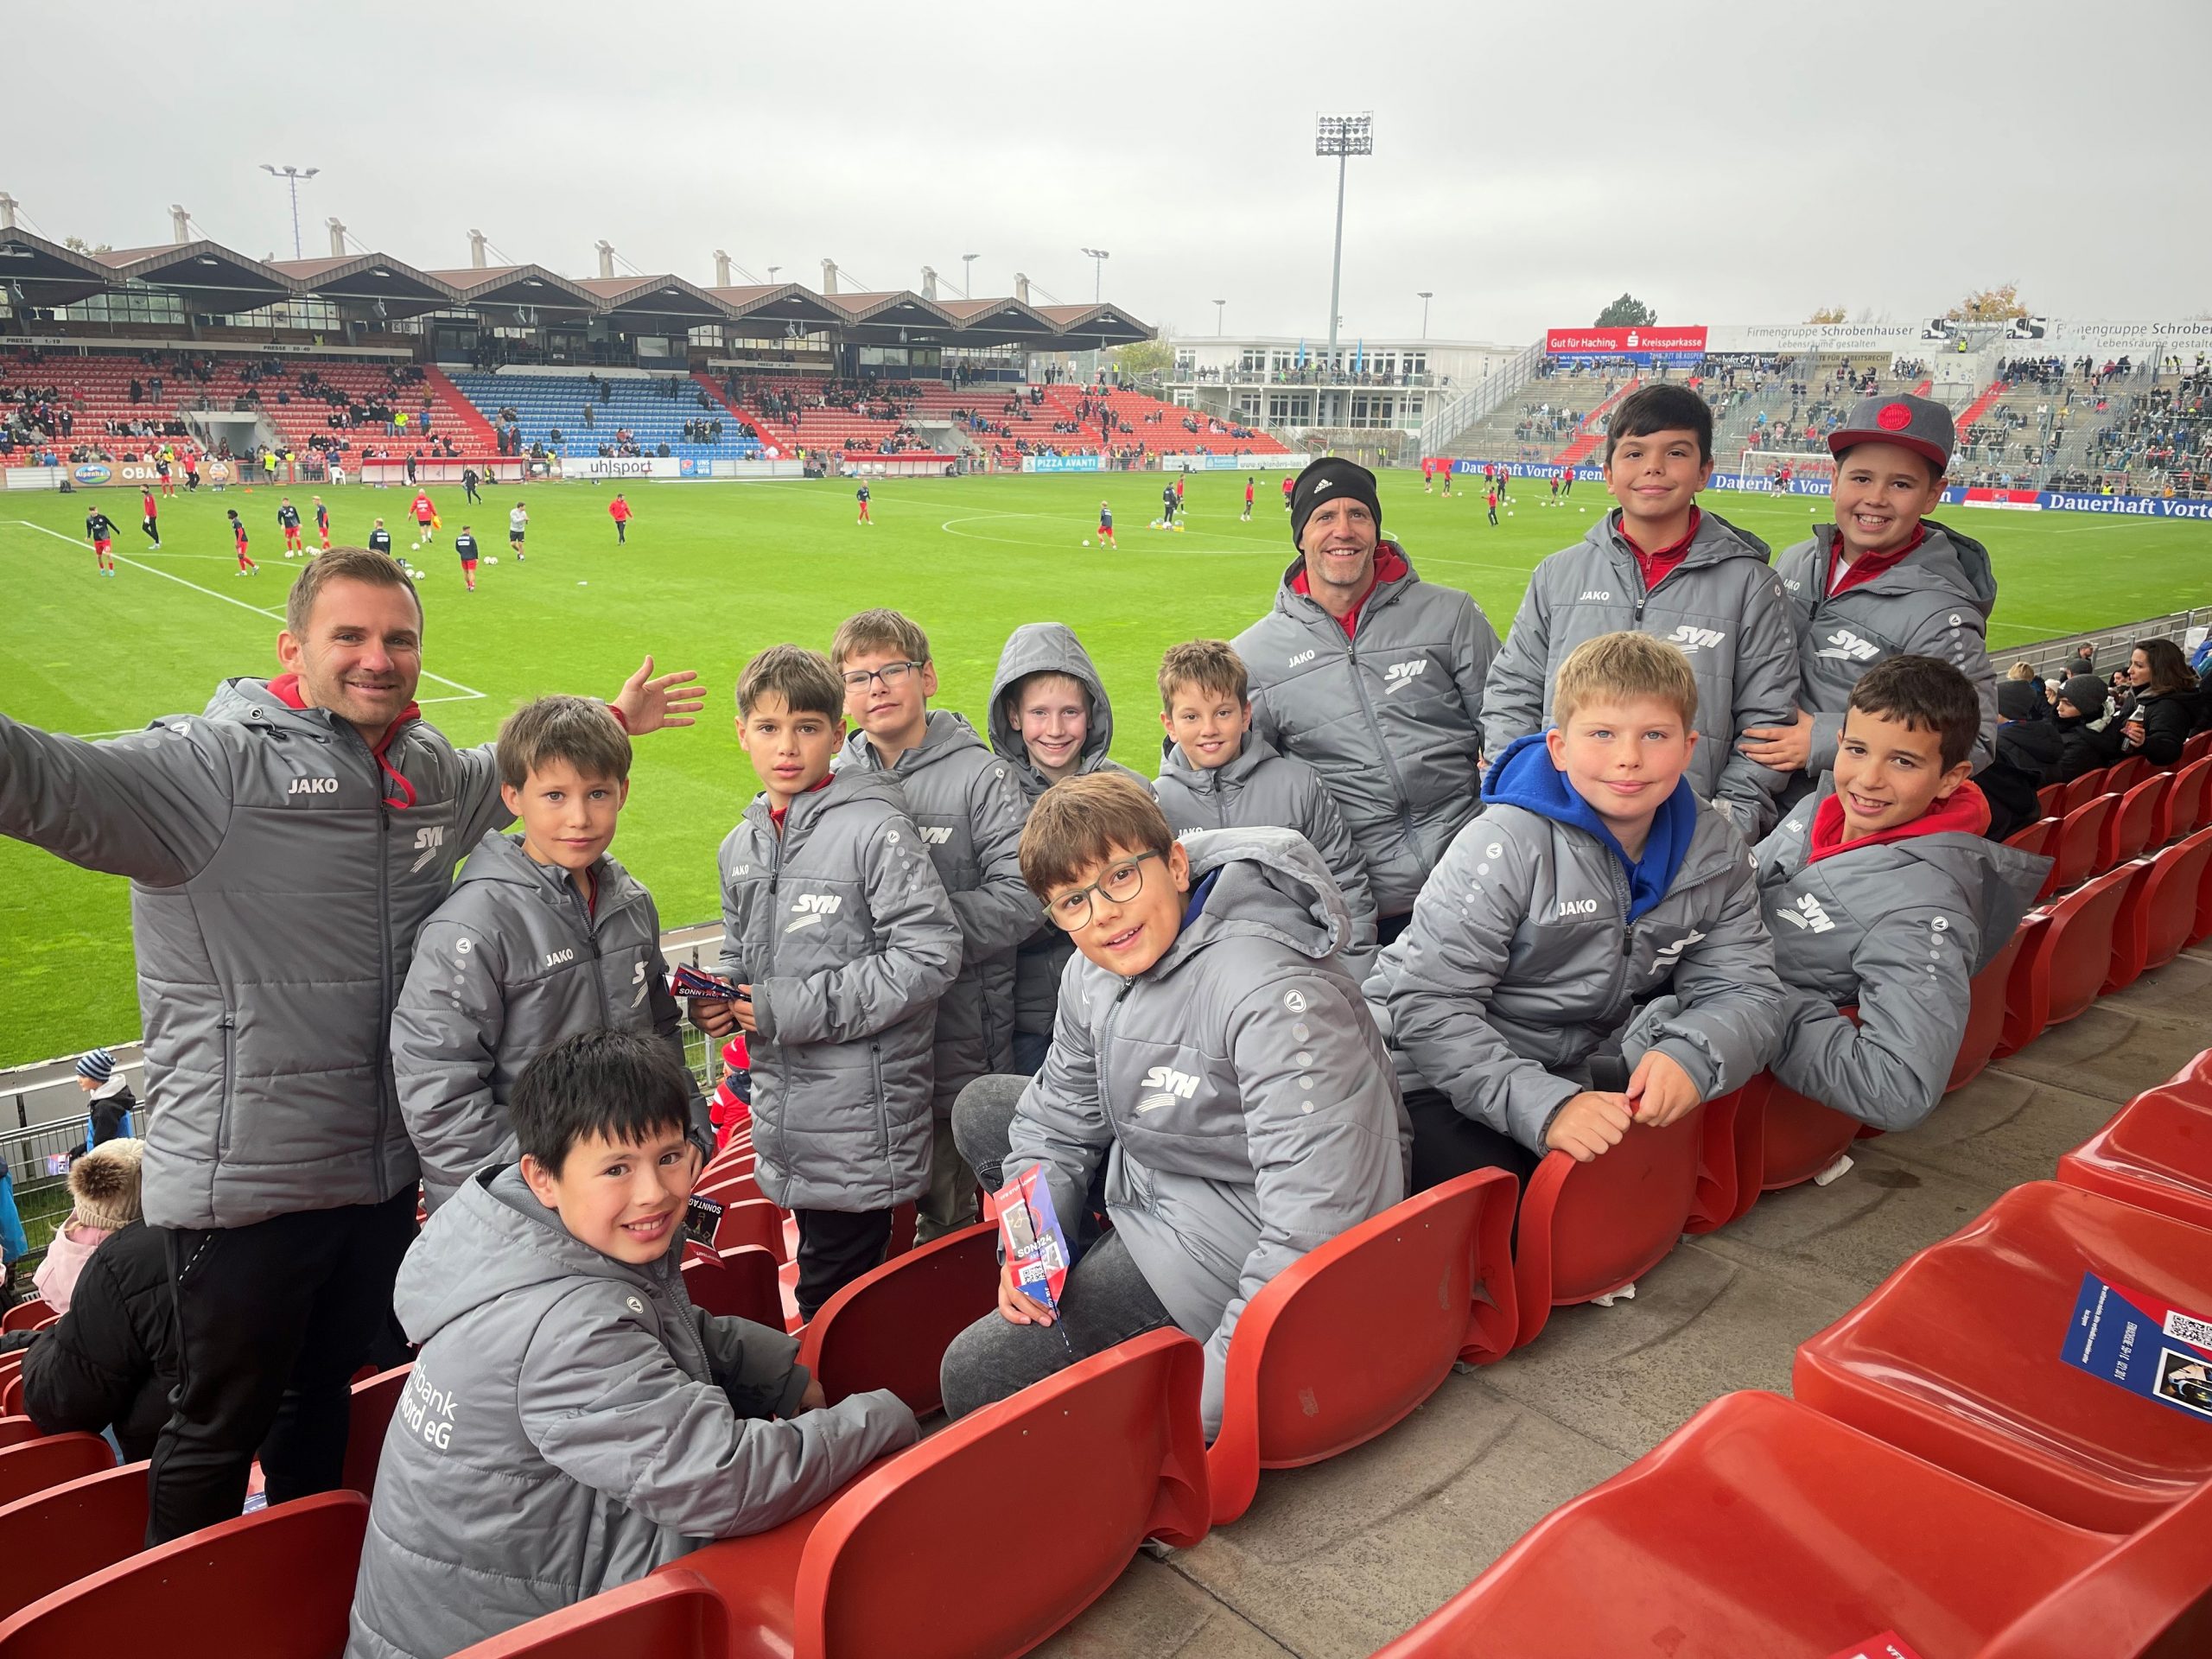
x: 879, y: 630
x: 2023, y: 669
x: 1624, y: 666
x: 1204, y: 666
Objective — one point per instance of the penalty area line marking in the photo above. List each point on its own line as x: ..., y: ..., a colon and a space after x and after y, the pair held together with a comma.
x: 464, y: 693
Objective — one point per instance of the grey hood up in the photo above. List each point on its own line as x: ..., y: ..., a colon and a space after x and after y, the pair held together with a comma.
x: 1237, y: 1089
x: 571, y: 1423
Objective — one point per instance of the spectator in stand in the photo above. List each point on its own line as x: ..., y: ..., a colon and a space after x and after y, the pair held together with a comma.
x: 107, y: 1114
x: 2160, y: 709
x: 2080, y: 704
x: 103, y: 1200
x: 2029, y: 753
x: 278, y: 1136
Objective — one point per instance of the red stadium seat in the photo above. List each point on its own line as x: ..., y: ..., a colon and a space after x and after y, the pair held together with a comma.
x: 277, y: 1585
x: 2196, y: 748
x: 1985, y: 1015
x: 2150, y: 1598
x: 889, y: 1328
x: 2180, y: 810
x: 2157, y: 916
x: 374, y: 1400
x: 752, y: 1221
x: 672, y: 1615
x: 14, y: 1431
x: 734, y: 1188
x: 1587, y: 1231
x: 1957, y: 1359
x: 2035, y: 837
x: 1353, y: 1336
x: 2060, y: 971
x: 1762, y: 1527
x: 1802, y: 1138
x: 11, y: 1391
x: 736, y: 1284
x: 2127, y: 831
x: 2156, y: 1154
x: 915, y: 1558
x: 55, y: 1537
x: 2123, y: 775
x: 33, y: 1466
x: 1732, y: 1160
x: 2051, y: 799
x: 2083, y: 790
x: 26, y: 1315
x: 2080, y: 834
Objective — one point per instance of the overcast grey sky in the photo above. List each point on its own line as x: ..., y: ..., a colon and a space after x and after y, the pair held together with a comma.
x: 1726, y: 162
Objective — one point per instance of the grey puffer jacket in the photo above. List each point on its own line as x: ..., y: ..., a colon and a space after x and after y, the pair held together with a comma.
x: 845, y: 934
x: 1722, y: 604
x: 1934, y: 602
x: 1236, y: 1088
x: 509, y: 965
x: 279, y: 870
x: 1262, y: 788
x: 1520, y: 965
x: 572, y: 1423
x: 970, y: 809
x: 1390, y: 720
x: 1898, y: 928
x: 1046, y: 648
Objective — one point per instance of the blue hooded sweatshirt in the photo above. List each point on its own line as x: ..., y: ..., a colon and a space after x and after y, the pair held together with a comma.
x: 1525, y: 777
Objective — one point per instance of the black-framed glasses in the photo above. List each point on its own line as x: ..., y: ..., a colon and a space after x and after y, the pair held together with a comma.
x: 1121, y: 884
x: 890, y: 674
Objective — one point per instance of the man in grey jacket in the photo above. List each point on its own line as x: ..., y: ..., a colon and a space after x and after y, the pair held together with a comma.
x: 1213, y: 1053
x: 965, y: 801
x: 573, y: 1423
x: 1375, y: 679
x: 1050, y: 717
x: 282, y: 848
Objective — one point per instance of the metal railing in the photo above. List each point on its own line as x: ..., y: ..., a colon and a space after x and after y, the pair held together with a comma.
x: 1454, y: 415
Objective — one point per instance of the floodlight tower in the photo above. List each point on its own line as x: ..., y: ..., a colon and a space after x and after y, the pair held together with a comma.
x: 1343, y: 136
x: 1098, y: 256
x: 1425, y: 295
x: 968, y: 275
x: 293, y: 175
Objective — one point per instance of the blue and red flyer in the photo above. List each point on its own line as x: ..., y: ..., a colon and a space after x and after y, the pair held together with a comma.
x: 2144, y: 1344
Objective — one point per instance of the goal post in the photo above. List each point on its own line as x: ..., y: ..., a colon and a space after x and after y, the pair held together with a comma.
x: 1764, y: 469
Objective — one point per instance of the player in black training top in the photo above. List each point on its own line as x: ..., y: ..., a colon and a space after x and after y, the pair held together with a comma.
x: 380, y: 540
x: 322, y: 523
x: 465, y: 545
x: 100, y: 530
x: 288, y: 520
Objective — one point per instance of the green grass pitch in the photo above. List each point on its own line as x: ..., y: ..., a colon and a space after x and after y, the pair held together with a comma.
x: 715, y: 572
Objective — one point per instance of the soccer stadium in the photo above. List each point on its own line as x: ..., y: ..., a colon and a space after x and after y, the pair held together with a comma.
x: 1572, y: 1100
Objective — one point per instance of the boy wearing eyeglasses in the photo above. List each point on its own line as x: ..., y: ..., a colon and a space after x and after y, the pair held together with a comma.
x: 1214, y: 1054
x: 841, y: 939
x: 970, y: 809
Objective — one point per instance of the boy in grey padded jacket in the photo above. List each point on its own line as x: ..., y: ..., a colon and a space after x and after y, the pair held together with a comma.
x: 1882, y: 890
x: 841, y: 939
x: 1373, y: 677
x: 1212, y: 1051
x: 970, y: 809
x: 572, y: 1421
x: 1884, y: 580
x: 1215, y: 773
x: 543, y: 936
x: 1050, y: 717
x: 1589, y: 954
x: 1660, y: 565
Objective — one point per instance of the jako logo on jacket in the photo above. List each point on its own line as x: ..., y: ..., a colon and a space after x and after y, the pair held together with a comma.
x: 313, y: 786
x: 1399, y: 675
x: 1848, y: 646
x: 1170, y: 1086
x: 1808, y: 913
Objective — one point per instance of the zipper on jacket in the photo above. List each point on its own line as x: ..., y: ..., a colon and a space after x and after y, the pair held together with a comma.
x: 230, y: 1029
x: 1389, y: 760
x: 384, y: 1102
x: 1104, y: 1044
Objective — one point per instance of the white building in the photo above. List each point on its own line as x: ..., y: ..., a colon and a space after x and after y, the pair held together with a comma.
x: 1286, y: 384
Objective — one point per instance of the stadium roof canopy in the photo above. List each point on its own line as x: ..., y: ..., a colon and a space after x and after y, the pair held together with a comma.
x: 999, y: 322
x: 372, y: 279
x: 520, y: 286
x: 208, y: 276
x: 1094, y: 325
x: 639, y: 298
x: 782, y: 302
x: 47, y: 272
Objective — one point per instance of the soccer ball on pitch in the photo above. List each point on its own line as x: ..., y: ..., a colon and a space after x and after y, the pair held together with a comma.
x: 415, y: 545
x: 492, y: 559
x: 1086, y: 541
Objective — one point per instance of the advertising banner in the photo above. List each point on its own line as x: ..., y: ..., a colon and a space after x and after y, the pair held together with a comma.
x: 1796, y: 339
x: 113, y: 474
x: 621, y: 467
x: 2064, y: 337
x: 1230, y: 463
x: 2133, y: 507
x: 1623, y: 342
x: 1059, y: 464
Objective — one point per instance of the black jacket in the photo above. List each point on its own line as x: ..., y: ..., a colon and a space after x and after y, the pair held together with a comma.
x: 106, y: 1116
x: 2029, y: 753
x: 2168, y: 719
x: 113, y: 1358
x: 2080, y: 749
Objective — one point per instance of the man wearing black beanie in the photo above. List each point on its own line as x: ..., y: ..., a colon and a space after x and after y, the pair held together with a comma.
x: 1375, y: 679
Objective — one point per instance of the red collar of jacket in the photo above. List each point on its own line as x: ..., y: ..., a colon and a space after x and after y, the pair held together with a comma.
x: 1390, y: 566
x: 1657, y: 567
x: 285, y: 688
x: 1865, y: 569
x: 1966, y: 812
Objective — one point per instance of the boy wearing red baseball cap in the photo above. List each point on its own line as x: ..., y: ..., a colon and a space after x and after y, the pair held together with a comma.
x: 1884, y: 580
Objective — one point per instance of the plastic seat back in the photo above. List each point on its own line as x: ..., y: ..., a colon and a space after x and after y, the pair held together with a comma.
x: 1984, y: 1015
x: 2196, y: 748
x: 1733, y: 1160
x: 277, y: 1585
x: 1588, y: 1229
x: 2123, y: 775
x: 2074, y: 956
x: 2083, y: 790
x: 2051, y: 799
x: 33, y: 1466
x: 752, y: 1221
x: 895, y: 1566
x: 369, y: 1415
x: 2178, y: 812
x: 2127, y: 831
x: 2159, y: 909
x: 889, y: 1328
x: 1803, y: 1137
x: 735, y: 1188
x: 1354, y: 1335
x: 57, y: 1536
x: 672, y: 1615
x: 2155, y: 1153
x: 2150, y: 1598
x: 2034, y: 837
x: 736, y: 1284
x: 14, y: 1431
x: 2080, y: 834
x: 26, y: 1315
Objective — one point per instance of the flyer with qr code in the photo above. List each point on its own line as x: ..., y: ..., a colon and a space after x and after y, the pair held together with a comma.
x: 1036, y: 1249
x: 2145, y: 1345
x: 1888, y: 1645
